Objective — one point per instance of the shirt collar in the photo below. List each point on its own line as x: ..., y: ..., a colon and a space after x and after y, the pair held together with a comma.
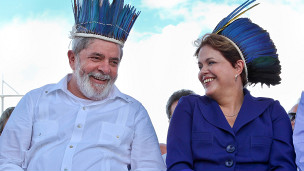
x: 63, y: 85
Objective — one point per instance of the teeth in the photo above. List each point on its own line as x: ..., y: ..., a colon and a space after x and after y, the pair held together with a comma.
x: 208, y: 80
x: 100, y: 78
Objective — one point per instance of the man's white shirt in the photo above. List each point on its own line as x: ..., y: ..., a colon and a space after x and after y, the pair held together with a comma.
x: 51, y: 130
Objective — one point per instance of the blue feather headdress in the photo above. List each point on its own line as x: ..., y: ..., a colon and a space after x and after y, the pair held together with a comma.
x: 102, y: 20
x: 254, y: 45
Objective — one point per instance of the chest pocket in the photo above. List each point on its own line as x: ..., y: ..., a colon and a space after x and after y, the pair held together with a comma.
x: 113, y: 135
x: 202, y: 144
x: 260, y: 148
x: 44, y: 129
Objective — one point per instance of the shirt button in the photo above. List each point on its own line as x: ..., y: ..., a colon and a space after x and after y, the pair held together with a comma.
x: 230, y: 148
x: 79, y: 126
x: 66, y: 169
x: 229, y: 163
x: 117, y: 136
x: 71, y: 146
x: 83, y: 108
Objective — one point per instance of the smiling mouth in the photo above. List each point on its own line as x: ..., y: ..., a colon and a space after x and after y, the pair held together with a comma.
x: 208, y: 80
x: 104, y: 78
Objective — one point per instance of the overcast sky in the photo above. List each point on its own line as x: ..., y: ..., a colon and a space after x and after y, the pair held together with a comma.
x: 158, y: 55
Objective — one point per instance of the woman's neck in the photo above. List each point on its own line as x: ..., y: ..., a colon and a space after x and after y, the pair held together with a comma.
x: 231, y: 104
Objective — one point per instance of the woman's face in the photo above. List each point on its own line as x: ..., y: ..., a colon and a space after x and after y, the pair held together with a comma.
x: 216, y: 73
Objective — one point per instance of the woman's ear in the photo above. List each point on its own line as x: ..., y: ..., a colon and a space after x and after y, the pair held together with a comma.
x: 239, y: 66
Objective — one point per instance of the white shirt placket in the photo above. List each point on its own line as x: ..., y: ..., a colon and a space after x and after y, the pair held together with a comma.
x: 75, y: 139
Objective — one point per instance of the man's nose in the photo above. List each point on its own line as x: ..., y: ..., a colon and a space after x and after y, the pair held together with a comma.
x: 104, y: 67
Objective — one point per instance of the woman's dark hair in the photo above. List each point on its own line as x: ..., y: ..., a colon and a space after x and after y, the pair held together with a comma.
x: 4, y: 117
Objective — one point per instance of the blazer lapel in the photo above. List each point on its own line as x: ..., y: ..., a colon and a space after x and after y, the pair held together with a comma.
x: 211, y: 111
x: 251, y: 108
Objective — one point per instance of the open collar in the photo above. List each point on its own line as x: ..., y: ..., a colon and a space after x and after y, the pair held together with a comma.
x: 62, y: 85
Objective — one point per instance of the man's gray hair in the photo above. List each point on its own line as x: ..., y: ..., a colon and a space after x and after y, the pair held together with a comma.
x: 175, y: 97
x: 80, y: 43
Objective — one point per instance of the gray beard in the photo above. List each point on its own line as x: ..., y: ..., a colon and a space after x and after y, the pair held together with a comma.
x: 92, y: 91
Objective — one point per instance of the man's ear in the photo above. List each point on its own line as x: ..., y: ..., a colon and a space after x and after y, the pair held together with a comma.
x: 239, y: 66
x: 72, y: 59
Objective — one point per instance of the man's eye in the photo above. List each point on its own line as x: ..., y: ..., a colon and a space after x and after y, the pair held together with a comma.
x: 95, y: 58
x: 114, y: 62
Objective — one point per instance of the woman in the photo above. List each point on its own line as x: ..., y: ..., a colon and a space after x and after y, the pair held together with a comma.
x: 228, y: 129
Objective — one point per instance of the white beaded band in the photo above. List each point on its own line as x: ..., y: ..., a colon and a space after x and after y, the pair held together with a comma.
x: 74, y: 34
x: 98, y: 37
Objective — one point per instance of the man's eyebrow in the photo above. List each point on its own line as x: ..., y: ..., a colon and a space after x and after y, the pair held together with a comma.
x: 102, y: 55
x: 97, y: 54
x: 115, y: 59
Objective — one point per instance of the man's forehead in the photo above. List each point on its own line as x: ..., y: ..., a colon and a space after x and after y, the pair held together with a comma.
x: 102, y: 47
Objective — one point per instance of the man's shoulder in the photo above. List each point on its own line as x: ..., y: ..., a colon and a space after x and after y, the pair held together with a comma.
x: 131, y: 99
x: 38, y: 91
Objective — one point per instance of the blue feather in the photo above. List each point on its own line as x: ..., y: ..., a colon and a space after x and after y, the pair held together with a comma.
x: 113, y: 20
x: 256, y: 46
x: 225, y: 21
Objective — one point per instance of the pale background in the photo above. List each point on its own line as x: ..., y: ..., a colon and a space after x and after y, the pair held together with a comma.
x: 158, y: 56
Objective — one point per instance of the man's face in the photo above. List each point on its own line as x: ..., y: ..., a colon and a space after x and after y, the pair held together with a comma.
x: 173, y: 106
x: 292, y: 115
x: 96, y: 69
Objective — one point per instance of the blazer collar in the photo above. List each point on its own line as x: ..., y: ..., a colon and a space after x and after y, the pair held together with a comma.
x: 251, y: 108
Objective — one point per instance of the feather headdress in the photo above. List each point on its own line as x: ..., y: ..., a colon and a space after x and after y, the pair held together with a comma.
x: 102, y: 20
x: 254, y: 45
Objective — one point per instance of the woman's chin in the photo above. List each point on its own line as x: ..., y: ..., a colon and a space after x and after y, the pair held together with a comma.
x: 208, y: 92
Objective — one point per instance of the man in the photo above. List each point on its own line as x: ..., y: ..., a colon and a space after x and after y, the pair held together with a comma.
x: 173, y: 100
x: 170, y: 107
x: 292, y: 115
x: 4, y: 118
x: 298, y: 133
x: 84, y: 123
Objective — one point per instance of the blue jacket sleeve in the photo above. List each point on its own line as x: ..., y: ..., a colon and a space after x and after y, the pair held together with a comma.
x: 179, y: 153
x: 282, y: 156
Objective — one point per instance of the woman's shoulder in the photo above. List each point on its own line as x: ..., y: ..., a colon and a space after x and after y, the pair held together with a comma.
x: 272, y: 106
x: 249, y: 97
x: 263, y: 99
x: 194, y: 98
x: 271, y: 103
